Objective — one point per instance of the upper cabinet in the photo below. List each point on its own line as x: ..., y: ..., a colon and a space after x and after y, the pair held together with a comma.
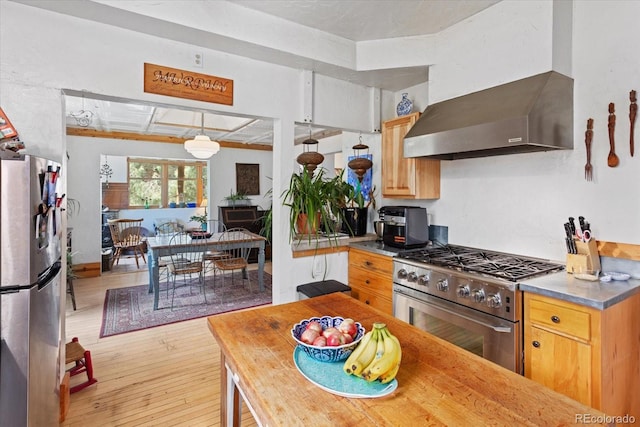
x: 415, y: 178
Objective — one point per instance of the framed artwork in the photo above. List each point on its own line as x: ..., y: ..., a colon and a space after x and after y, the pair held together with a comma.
x: 248, y: 179
x: 365, y: 185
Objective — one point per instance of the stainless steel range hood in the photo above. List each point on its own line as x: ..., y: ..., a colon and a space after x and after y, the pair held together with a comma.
x: 532, y: 114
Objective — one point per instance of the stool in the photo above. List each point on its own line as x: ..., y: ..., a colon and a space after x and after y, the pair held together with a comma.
x: 82, y: 358
x: 315, y: 289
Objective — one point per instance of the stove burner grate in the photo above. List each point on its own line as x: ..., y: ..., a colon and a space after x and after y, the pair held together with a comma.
x: 505, y: 266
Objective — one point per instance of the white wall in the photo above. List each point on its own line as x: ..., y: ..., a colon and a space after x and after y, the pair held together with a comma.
x: 518, y: 203
x: 70, y: 53
x: 514, y: 203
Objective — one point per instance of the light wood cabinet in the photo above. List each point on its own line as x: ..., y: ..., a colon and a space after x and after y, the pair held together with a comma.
x: 413, y: 178
x: 589, y: 355
x: 371, y: 279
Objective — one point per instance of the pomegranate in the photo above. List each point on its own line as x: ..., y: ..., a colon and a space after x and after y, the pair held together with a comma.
x: 330, y: 331
x: 346, y: 338
x: 315, y: 325
x: 348, y: 326
x: 334, y: 339
x: 309, y: 335
x: 320, y: 341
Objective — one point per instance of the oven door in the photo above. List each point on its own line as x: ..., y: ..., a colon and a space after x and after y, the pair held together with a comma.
x: 490, y: 337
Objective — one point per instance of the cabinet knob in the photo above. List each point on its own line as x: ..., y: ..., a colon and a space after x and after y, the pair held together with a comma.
x: 366, y: 281
x: 367, y: 301
x: 555, y: 319
x: 536, y: 344
x: 368, y: 263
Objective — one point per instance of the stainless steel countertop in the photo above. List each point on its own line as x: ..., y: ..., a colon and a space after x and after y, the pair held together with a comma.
x: 376, y: 247
x: 598, y: 295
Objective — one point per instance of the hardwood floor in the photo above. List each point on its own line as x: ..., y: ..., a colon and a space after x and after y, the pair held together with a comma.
x: 164, y: 376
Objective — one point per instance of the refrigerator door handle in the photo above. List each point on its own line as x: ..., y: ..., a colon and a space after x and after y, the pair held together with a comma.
x: 46, y: 276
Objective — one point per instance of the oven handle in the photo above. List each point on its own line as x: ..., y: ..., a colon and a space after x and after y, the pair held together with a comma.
x: 502, y: 329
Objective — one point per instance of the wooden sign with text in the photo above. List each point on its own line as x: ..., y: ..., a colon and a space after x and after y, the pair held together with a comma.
x: 186, y: 84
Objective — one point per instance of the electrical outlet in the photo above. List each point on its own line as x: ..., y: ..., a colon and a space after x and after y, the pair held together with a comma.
x: 198, y: 59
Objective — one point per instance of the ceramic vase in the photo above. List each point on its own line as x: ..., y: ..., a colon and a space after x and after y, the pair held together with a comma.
x: 404, y: 106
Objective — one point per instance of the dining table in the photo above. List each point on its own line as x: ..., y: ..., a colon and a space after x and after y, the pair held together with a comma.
x: 438, y: 383
x: 158, y: 246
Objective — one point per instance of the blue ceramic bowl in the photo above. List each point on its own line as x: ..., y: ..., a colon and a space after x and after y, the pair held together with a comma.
x: 191, y: 205
x: 326, y: 354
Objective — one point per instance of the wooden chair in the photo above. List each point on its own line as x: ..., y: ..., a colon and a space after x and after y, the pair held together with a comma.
x: 126, y: 235
x: 212, y: 255
x: 235, y: 242
x: 81, y: 359
x: 186, y: 261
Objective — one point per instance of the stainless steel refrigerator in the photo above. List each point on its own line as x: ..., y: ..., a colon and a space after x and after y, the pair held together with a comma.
x: 30, y: 279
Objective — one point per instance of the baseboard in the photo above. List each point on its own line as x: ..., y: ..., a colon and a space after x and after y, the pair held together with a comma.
x: 90, y: 269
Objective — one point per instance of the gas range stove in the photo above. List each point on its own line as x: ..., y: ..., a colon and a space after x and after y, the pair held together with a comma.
x: 513, y: 268
x: 483, y: 280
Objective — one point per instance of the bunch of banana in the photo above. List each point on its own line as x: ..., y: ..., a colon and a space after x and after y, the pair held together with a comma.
x: 377, y: 357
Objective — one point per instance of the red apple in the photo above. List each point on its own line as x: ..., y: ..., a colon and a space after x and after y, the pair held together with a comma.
x: 315, y: 325
x: 320, y: 341
x: 330, y: 331
x: 309, y: 335
x: 333, y: 340
x: 348, y: 326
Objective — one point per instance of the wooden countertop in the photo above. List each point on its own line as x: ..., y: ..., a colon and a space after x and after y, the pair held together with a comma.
x: 438, y: 383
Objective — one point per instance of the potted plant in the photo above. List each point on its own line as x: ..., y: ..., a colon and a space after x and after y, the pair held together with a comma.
x: 356, y: 211
x: 314, y: 203
x: 202, y: 219
x: 236, y: 199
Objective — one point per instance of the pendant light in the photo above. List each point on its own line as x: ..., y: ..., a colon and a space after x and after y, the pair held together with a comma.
x: 310, y: 159
x: 359, y: 164
x: 201, y: 147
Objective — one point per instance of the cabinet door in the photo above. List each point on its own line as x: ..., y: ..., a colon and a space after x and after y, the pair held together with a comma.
x: 373, y: 299
x: 398, y: 173
x: 414, y: 178
x: 560, y: 363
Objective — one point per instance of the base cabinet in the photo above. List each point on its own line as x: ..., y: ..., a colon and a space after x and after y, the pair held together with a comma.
x: 589, y: 355
x: 371, y: 279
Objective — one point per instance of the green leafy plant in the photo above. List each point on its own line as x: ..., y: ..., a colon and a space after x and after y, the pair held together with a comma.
x: 235, y: 196
x: 267, y: 219
x: 315, y: 204
x: 70, y: 273
x: 202, y: 219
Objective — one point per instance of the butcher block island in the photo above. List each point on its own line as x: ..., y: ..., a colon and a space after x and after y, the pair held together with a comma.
x: 438, y: 383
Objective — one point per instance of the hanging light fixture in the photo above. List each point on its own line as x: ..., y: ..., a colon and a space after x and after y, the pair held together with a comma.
x: 106, y: 171
x: 361, y: 163
x: 201, y: 147
x: 310, y: 159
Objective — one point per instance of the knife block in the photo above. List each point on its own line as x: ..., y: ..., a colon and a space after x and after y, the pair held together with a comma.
x: 587, y: 257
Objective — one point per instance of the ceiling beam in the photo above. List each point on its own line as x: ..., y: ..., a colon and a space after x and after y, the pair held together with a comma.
x: 318, y: 135
x: 92, y: 133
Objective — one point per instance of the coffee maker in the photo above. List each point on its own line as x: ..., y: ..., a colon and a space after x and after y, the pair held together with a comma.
x: 405, y: 226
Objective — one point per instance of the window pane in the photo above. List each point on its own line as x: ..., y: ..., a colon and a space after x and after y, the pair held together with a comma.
x: 139, y: 190
x: 190, y: 191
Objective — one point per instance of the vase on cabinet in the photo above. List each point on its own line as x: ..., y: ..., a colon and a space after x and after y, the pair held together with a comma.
x: 404, y: 106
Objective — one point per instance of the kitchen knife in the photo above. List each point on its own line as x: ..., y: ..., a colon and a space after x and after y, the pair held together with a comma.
x: 572, y: 225
x: 633, y: 110
x: 571, y: 245
x: 581, y: 222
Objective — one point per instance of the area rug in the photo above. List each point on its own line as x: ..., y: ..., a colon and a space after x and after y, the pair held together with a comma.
x: 131, y: 309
